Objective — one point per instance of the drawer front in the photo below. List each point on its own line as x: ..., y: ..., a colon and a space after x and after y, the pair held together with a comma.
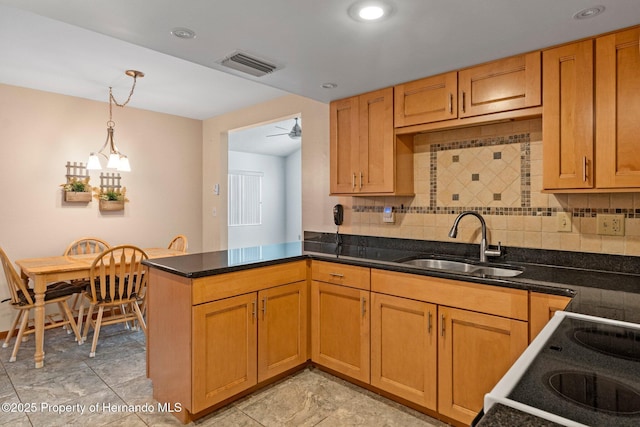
x: 504, y: 302
x: 227, y: 285
x: 341, y: 274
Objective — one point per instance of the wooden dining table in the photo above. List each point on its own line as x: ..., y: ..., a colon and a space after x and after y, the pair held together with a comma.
x: 46, y: 270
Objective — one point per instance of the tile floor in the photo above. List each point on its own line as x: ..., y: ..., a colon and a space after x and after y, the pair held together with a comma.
x: 108, y: 386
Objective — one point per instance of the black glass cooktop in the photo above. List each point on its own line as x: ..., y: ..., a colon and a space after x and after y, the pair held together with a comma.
x: 588, y: 371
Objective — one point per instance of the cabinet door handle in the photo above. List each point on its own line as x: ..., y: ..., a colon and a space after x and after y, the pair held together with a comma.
x: 464, y: 98
x: 264, y: 307
x: 361, y: 180
x: 338, y: 275
x: 450, y: 103
x: 253, y: 312
x: 429, y: 323
x: 364, y: 306
x: 442, y: 325
x: 584, y: 169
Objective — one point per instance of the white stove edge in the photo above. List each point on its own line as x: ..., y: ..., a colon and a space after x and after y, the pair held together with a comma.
x: 510, y: 379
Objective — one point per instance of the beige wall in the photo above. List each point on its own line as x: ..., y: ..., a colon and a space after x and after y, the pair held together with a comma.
x: 40, y: 132
x: 316, y: 203
x: 535, y: 227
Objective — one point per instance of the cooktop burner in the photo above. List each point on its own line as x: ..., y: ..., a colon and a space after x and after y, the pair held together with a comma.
x: 596, y: 392
x: 614, y: 341
x: 583, y: 370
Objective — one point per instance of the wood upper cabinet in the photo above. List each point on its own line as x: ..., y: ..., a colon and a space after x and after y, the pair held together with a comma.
x: 590, y: 118
x: 567, y: 116
x: 507, y: 84
x: 475, y: 350
x: 224, y: 349
x: 617, y: 109
x: 282, y: 329
x: 364, y: 155
x: 542, y: 307
x: 404, y: 348
x: 431, y: 99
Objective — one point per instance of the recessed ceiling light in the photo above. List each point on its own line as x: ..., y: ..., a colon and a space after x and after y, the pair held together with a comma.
x: 329, y: 85
x: 183, y: 33
x: 589, y: 12
x: 370, y: 10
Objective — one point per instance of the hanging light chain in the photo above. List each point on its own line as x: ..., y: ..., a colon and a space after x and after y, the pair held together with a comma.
x: 133, y: 74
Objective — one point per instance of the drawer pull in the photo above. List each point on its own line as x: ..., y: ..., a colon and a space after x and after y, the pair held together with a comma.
x: 338, y: 275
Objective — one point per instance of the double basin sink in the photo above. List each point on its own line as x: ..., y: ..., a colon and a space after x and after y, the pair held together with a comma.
x: 463, y: 267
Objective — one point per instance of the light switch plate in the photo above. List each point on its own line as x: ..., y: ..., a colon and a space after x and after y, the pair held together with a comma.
x: 564, y: 221
x: 610, y: 224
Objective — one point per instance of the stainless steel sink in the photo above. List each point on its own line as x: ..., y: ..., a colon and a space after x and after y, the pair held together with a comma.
x: 441, y: 264
x: 462, y: 267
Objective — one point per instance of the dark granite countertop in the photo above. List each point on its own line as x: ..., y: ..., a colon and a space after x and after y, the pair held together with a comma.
x: 601, y: 285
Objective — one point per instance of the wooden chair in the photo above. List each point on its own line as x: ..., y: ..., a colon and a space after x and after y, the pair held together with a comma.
x: 117, y: 279
x: 23, y: 300
x: 85, y: 245
x: 179, y: 243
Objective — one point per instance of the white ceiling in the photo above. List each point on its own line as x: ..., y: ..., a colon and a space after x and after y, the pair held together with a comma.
x: 270, y: 139
x: 80, y: 47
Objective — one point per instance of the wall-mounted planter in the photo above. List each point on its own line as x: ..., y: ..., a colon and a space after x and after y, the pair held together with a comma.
x: 77, y: 196
x: 111, y: 205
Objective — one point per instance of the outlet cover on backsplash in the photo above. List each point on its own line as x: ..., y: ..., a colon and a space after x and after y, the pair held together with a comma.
x: 610, y: 225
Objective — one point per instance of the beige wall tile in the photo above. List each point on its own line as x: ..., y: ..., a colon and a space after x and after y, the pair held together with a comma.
x: 570, y: 242
x: 532, y: 239
x: 590, y: 243
x: 612, y: 244
x: 533, y: 223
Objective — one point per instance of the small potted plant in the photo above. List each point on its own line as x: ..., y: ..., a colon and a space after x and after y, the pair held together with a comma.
x: 77, y: 190
x: 110, y: 199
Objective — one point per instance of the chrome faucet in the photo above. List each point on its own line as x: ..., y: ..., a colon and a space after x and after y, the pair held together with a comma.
x: 484, y: 251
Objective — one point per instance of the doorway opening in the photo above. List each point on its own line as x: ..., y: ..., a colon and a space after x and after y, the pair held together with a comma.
x: 265, y: 183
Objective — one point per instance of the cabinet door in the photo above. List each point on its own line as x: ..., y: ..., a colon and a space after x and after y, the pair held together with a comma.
x: 567, y: 116
x: 376, y: 157
x: 475, y: 350
x: 344, y: 145
x: 617, y: 107
x: 404, y: 348
x: 224, y: 349
x: 507, y: 84
x: 282, y: 329
x: 542, y: 307
x: 340, y: 329
x: 426, y: 100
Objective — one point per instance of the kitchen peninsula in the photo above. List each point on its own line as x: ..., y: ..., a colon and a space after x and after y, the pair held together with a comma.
x: 223, y: 324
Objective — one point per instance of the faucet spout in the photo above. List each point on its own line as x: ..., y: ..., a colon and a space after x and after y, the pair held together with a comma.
x: 484, y: 252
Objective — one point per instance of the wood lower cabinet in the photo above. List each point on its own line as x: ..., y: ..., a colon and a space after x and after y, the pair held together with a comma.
x: 475, y: 350
x: 212, y: 338
x: 404, y: 348
x: 542, y: 307
x: 224, y: 349
x: 340, y: 329
x: 241, y: 341
x: 282, y: 329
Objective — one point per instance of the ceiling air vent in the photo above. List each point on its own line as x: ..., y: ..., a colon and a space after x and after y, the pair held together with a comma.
x: 246, y: 63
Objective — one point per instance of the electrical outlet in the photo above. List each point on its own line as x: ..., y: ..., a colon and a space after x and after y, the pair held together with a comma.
x: 610, y: 224
x: 564, y: 221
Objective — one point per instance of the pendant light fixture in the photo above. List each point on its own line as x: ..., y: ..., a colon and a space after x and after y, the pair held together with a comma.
x: 116, y: 160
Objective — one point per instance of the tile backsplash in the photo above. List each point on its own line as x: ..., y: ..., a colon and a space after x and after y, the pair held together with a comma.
x: 495, y: 170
